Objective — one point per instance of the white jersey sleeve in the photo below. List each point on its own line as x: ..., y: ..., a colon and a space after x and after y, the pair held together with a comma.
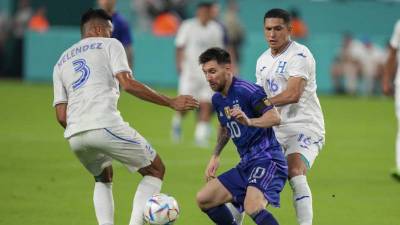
x: 118, y: 59
x: 258, y: 74
x: 182, y: 35
x: 395, y: 40
x: 60, y: 94
x: 298, y: 66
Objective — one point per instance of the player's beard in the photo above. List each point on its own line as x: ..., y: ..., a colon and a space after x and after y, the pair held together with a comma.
x: 221, y: 87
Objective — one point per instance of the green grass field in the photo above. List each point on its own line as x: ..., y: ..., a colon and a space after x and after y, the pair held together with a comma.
x: 42, y: 183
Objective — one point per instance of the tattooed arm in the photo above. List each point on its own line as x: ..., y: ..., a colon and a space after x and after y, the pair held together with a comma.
x: 222, y: 140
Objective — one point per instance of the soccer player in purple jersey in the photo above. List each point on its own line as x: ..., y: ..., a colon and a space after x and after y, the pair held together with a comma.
x: 121, y: 31
x: 246, y: 116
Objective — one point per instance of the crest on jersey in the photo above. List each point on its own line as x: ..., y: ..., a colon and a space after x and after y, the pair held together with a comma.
x: 281, y: 67
x: 236, y: 106
x: 227, y: 112
x: 266, y: 101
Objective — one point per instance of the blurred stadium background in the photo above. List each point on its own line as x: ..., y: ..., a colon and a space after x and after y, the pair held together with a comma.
x: 42, y: 182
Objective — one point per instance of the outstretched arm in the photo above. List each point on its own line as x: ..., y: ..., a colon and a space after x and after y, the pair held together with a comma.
x: 222, y: 140
x: 180, y: 103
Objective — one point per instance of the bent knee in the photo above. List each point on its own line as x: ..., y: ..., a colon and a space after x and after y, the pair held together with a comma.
x: 252, y: 207
x: 155, y: 169
x: 202, y: 200
x: 105, y: 176
x: 297, y: 171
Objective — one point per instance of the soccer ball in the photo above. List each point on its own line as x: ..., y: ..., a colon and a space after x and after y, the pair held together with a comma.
x: 161, y: 209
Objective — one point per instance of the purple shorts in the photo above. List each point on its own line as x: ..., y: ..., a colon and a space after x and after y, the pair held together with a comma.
x: 267, y: 174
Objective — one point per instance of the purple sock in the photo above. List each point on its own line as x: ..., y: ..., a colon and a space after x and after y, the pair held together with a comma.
x: 221, y: 215
x: 264, y: 217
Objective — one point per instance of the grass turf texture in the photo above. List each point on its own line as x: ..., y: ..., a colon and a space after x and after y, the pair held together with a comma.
x: 42, y: 182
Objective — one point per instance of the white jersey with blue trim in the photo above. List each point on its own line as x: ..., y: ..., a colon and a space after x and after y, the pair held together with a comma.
x: 195, y: 38
x: 84, y: 78
x: 273, y: 72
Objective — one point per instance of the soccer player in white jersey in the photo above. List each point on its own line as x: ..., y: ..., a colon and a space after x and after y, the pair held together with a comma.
x: 287, y: 73
x: 391, y: 69
x: 194, y: 37
x: 86, y: 90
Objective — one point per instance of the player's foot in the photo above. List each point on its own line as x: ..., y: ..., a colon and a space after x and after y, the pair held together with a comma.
x: 396, y: 174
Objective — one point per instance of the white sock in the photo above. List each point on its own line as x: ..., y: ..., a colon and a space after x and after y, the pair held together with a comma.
x: 147, y: 187
x: 176, y: 120
x: 302, y: 199
x: 398, y: 150
x: 103, y: 203
x: 235, y: 213
x: 202, y: 132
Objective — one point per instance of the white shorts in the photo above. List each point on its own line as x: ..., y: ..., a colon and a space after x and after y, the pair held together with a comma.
x: 97, y: 148
x: 198, y: 87
x: 305, y: 142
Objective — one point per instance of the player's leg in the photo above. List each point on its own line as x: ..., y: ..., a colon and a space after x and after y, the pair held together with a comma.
x: 211, y: 199
x: 266, y: 178
x: 237, y: 213
x: 148, y: 186
x: 301, y: 150
x: 185, y: 87
x: 99, y: 165
x: 254, y: 206
x: 126, y: 145
x: 396, y: 171
x: 103, y: 198
x: 302, y: 197
x: 203, y: 128
x: 176, y: 133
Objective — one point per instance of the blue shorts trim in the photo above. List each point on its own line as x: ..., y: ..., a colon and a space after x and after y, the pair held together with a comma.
x: 120, y: 138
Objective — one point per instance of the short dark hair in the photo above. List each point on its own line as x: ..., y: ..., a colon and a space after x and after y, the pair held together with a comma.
x: 217, y: 54
x: 206, y: 4
x: 278, y: 13
x: 94, y: 14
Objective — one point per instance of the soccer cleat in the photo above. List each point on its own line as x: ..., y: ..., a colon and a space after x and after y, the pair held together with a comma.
x: 396, y: 174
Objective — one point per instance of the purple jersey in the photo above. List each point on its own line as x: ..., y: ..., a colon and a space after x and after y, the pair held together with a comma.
x: 121, y: 31
x: 249, y: 98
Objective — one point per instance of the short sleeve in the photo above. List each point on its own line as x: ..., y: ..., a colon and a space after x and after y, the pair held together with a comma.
x: 259, y: 100
x: 60, y: 93
x: 182, y: 35
x: 214, y: 102
x: 258, y: 74
x: 118, y: 58
x: 395, y: 40
x: 298, y: 66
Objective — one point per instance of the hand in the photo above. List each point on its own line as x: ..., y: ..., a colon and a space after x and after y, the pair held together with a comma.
x: 212, y: 168
x: 184, y: 103
x: 387, y: 88
x: 240, y: 116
